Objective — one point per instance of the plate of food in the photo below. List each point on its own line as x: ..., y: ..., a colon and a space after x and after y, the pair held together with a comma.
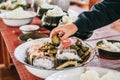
x: 45, y: 56
x: 86, y: 73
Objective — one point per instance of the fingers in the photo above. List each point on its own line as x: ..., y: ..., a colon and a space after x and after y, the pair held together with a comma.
x: 64, y: 31
x: 61, y: 33
x: 65, y: 36
x: 56, y: 31
x: 53, y: 32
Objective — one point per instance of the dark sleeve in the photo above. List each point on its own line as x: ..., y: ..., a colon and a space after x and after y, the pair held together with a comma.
x: 100, y: 15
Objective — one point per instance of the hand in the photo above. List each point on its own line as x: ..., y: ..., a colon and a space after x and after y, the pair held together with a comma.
x: 64, y: 31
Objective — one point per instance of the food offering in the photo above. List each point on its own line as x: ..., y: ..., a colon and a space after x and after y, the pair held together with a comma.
x: 109, y: 45
x: 43, y: 8
x: 94, y: 75
x: 18, y: 14
x: 52, y: 17
x: 86, y: 73
x: 58, y: 54
x: 13, y: 4
x: 17, y: 17
x: 68, y: 19
x: 109, y: 49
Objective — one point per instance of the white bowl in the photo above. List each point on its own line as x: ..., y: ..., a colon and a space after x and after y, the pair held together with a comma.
x: 17, y: 21
x: 3, y: 10
x: 29, y: 28
x: 20, y: 55
x: 78, y: 72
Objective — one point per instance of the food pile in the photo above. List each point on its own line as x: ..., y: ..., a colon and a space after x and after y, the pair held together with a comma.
x: 94, y: 75
x: 110, y: 46
x: 56, y: 11
x: 68, y: 19
x: 51, y: 10
x: 47, y: 6
x: 18, y: 13
x: 13, y: 4
x: 56, y: 54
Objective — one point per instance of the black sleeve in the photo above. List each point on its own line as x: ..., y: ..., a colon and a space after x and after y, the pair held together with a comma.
x: 100, y: 15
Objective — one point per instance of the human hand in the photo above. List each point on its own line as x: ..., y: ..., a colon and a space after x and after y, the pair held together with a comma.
x: 64, y: 31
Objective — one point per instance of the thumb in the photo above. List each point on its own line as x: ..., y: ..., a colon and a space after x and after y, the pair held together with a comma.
x: 65, y: 36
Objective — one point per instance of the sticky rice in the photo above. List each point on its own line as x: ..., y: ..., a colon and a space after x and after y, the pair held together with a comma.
x: 19, y: 13
x: 90, y: 75
x: 45, y: 62
x: 114, y: 47
x: 68, y: 19
x: 47, y: 6
x: 57, y: 11
x: 68, y: 54
x: 94, y: 75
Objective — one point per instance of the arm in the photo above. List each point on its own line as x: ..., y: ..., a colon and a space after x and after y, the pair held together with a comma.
x: 100, y: 15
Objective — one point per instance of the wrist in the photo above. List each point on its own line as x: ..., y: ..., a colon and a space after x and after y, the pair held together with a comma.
x: 74, y: 27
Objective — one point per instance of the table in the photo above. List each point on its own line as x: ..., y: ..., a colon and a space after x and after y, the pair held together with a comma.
x: 9, y: 41
x: 10, y: 37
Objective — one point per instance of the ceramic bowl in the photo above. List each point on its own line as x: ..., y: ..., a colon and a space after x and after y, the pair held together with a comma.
x: 50, y: 22
x: 106, y: 53
x: 29, y: 28
x: 20, y: 55
x: 2, y: 10
x: 42, y: 11
x: 16, y: 22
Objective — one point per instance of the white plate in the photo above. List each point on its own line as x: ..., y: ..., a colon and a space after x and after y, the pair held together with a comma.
x: 20, y: 55
x: 2, y: 10
x: 74, y: 74
x: 29, y: 27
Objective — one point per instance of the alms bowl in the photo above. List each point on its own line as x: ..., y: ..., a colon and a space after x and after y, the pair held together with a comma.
x: 20, y: 54
x: 110, y: 52
x: 50, y: 22
x: 16, y: 22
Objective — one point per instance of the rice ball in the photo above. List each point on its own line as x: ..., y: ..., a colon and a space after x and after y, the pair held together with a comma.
x: 47, y: 6
x: 90, y: 75
x: 45, y: 62
x: 110, y: 76
x: 57, y: 11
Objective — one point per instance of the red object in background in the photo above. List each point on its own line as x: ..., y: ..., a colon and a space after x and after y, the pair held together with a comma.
x: 1, y: 54
x: 66, y: 43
